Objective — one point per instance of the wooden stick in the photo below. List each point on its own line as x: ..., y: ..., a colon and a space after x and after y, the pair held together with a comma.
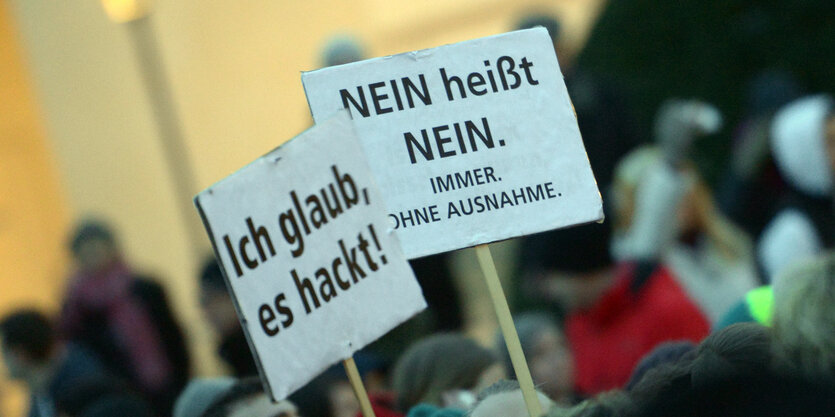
x: 511, y: 338
x: 359, y: 388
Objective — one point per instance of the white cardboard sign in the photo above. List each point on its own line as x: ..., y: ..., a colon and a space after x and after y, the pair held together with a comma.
x: 314, y: 268
x: 470, y: 143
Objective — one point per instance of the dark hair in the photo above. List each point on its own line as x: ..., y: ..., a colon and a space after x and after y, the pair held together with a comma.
x: 665, y: 353
x: 544, y: 20
x: 438, y: 364
x: 580, y: 249
x: 122, y: 405
x: 211, y: 276
x: 530, y: 327
x: 664, y: 391
x: 739, y: 350
x: 91, y: 229
x: 29, y: 331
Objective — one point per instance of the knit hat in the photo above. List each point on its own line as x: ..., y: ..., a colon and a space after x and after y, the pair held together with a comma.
x: 798, y: 144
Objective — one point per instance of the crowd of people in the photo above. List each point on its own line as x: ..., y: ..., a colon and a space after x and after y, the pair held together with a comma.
x: 684, y: 302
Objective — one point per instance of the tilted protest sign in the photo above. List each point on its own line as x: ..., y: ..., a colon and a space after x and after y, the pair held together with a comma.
x: 315, y: 270
x: 470, y: 143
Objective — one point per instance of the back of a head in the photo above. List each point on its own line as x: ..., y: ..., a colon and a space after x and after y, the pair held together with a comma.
x: 28, y: 332
x: 504, y: 399
x: 247, y: 398
x: 211, y: 277
x: 804, y: 317
x: 124, y: 405
x: 541, y: 19
x: 438, y: 364
x: 529, y: 327
x: 88, y: 230
x: 741, y: 350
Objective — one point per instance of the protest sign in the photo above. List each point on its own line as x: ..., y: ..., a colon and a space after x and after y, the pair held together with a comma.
x: 470, y: 143
x: 314, y: 268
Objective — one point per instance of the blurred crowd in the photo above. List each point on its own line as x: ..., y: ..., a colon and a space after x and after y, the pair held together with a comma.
x: 690, y: 299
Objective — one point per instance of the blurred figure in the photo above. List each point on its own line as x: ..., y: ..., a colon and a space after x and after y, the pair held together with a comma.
x: 342, y: 49
x: 804, y: 317
x: 247, y: 399
x: 504, y: 399
x: 803, y: 145
x: 548, y: 355
x: 217, y: 306
x: 664, y: 210
x: 123, y: 317
x: 751, y: 190
x: 620, y: 310
x: 444, y: 370
x: 667, y: 353
x: 100, y: 396
x: 35, y: 357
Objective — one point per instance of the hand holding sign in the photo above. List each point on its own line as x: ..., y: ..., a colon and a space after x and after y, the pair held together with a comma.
x: 302, y: 238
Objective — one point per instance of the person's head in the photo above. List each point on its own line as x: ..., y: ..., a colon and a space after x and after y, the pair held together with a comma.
x: 663, y: 354
x: 569, y: 268
x: 93, y: 245
x: 247, y: 399
x: 342, y: 49
x: 803, y: 144
x: 28, y: 343
x: 442, y: 366
x: 804, y: 317
x: 215, y: 301
x: 504, y: 399
x: 738, y: 352
x: 554, y: 28
x: 92, y: 394
x: 665, y: 390
x: 547, y: 352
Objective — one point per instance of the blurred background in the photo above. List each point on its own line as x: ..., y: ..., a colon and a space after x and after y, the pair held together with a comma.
x: 95, y: 107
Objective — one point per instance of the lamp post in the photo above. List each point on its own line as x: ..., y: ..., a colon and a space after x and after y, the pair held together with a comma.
x: 134, y: 14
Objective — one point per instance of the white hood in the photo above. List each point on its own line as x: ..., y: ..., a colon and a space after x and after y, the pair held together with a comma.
x: 798, y: 144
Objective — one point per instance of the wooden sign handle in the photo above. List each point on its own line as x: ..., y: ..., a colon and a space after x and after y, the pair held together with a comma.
x: 359, y: 389
x: 511, y: 338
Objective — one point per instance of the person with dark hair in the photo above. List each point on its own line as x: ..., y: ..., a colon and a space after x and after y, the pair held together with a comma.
x: 443, y: 370
x: 504, y: 399
x: 247, y: 399
x: 548, y: 355
x: 664, y: 354
x: 219, y: 310
x: 47, y: 366
x: 99, y: 395
x: 123, y: 317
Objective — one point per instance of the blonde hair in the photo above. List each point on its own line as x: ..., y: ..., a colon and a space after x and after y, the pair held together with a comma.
x: 804, y: 317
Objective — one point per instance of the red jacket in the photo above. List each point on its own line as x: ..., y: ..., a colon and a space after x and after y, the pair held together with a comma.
x: 625, y: 324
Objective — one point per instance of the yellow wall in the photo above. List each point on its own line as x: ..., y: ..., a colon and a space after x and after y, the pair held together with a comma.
x: 235, y: 73
x: 33, y: 212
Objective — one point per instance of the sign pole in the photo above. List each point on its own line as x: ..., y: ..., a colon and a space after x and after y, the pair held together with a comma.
x: 359, y: 388
x: 511, y: 338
